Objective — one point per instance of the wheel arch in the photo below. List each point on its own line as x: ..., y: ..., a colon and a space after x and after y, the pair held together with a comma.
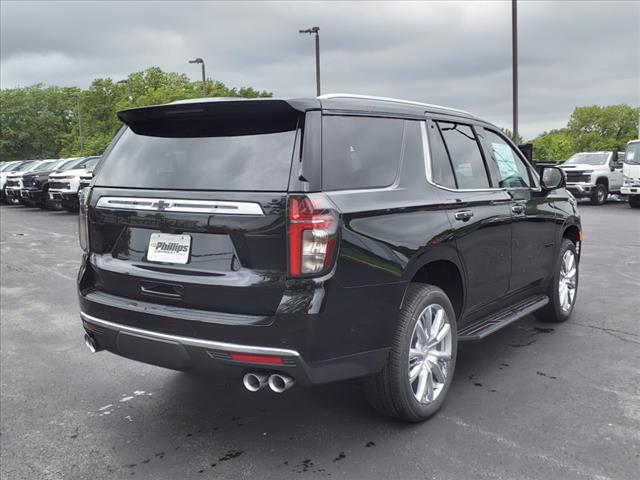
x: 444, y: 273
x: 603, y: 180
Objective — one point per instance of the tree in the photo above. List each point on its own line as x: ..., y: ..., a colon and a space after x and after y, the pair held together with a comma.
x: 42, y: 122
x: 508, y: 133
x: 553, y: 146
x: 603, y: 128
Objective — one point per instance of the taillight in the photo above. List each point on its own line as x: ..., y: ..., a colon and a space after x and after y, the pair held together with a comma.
x: 313, y: 231
x: 83, y: 220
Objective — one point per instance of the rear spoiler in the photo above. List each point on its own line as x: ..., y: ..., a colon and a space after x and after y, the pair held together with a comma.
x: 211, y: 117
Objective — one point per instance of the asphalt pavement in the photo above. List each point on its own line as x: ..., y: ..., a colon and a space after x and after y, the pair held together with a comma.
x: 533, y: 401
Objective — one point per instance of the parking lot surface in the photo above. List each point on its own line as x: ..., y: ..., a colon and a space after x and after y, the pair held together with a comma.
x: 533, y: 401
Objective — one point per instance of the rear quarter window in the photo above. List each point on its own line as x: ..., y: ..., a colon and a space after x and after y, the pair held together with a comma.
x: 360, y: 152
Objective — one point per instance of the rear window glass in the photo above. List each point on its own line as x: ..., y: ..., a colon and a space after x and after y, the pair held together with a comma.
x: 360, y: 152
x: 255, y: 161
x: 464, y: 153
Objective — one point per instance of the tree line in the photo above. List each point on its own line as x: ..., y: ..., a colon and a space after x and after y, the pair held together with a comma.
x: 43, y: 121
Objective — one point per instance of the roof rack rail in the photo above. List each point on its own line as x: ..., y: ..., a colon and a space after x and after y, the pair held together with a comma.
x: 389, y: 99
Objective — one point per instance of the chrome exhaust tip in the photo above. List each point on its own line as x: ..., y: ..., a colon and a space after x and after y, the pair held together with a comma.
x: 91, y: 343
x: 255, y: 381
x: 279, y: 383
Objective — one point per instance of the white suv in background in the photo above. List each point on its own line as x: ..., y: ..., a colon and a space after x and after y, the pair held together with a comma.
x: 63, y: 186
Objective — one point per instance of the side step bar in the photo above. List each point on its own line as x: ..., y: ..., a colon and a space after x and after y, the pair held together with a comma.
x: 486, y: 326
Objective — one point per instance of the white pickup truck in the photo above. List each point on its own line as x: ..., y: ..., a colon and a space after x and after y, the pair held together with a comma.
x: 594, y: 175
x: 63, y: 186
x: 631, y: 173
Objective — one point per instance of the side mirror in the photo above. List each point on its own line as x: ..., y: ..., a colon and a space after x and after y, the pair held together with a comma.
x: 552, y: 178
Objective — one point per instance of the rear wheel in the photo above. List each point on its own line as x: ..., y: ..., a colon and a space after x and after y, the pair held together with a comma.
x: 419, y: 370
x: 599, y: 195
x: 634, y: 201
x: 564, y: 287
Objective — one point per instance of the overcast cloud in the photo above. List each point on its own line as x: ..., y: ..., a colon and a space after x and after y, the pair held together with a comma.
x: 456, y: 54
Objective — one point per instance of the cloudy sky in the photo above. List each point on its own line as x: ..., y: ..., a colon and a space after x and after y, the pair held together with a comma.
x: 456, y: 54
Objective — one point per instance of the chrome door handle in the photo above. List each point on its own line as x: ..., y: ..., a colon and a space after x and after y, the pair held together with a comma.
x: 463, y: 215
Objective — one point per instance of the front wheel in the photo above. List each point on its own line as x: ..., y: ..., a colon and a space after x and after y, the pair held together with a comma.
x: 564, y: 286
x: 599, y: 195
x: 634, y: 201
x: 419, y: 370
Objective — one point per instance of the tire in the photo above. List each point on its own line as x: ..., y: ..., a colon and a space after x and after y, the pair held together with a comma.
x: 634, y: 201
x: 44, y: 203
x: 391, y: 392
x: 555, y: 311
x: 600, y: 194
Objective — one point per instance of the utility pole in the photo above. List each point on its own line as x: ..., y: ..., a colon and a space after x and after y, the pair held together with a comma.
x: 80, y: 126
x: 315, y: 30
x: 514, y: 62
x: 129, y: 96
x: 204, y: 77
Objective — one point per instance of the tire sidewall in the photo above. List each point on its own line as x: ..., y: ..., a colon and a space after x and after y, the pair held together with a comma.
x: 401, y: 371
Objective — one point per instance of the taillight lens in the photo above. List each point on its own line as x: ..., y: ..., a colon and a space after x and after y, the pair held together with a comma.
x: 313, y: 230
x: 83, y: 218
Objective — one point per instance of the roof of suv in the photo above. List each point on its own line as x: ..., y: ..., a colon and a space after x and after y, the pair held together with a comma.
x: 342, y: 102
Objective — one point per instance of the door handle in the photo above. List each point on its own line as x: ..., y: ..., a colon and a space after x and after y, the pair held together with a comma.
x: 463, y: 215
x: 518, y: 209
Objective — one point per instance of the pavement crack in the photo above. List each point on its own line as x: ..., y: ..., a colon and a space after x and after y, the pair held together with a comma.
x: 613, y: 332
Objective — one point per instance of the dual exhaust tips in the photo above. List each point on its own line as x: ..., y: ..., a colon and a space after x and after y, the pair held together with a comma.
x: 276, y: 382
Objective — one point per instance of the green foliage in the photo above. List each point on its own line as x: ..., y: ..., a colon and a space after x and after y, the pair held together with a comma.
x: 592, y: 128
x: 42, y: 122
x: 509, y: 133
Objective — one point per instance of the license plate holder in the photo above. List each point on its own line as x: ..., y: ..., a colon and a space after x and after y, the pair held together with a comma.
x: 169, y: 248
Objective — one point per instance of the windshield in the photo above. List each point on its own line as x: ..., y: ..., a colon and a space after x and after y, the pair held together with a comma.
x: 6, y: 167
x: 25, y: 166
x: 69, y: 164
x: 45, y: 166
x: 250, y: 160
x: 588, y: 158
x: 88, y: 163
x: 632, y: 156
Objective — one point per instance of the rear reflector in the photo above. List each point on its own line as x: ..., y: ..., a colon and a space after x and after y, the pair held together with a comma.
x: 241, y: 357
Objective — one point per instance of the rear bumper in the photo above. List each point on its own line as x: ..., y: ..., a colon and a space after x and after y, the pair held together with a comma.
x: 215, y: 357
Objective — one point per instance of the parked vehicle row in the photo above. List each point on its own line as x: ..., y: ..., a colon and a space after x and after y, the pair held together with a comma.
x: 48, y: 184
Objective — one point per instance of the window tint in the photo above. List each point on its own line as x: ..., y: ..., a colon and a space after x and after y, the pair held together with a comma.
x: 513, y: 172
x: 464, y: 152
x: 441, y: 171
x: 360, y: 152
x: 259, y: 161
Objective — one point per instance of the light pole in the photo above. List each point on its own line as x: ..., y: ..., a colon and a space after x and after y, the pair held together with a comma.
x: 80, y: 125
x: 315, y: 30
x: 129, y: 96
x: 514, y: 65
x: 204, y: 78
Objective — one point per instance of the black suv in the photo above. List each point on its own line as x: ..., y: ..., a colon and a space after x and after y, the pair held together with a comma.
x: 315, y: 240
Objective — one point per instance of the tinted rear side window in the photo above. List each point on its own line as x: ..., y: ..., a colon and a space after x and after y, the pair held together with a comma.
x: 252, y: 161
x: 360, y: 152
x: 464, y: 153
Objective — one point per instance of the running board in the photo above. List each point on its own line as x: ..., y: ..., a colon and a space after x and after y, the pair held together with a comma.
x: 486, y: 326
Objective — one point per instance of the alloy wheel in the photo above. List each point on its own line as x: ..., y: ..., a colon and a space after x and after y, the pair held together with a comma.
x: 430, y: 354
x: 567, y: 281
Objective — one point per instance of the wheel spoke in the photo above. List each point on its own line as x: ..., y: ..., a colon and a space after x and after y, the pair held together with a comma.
x: 428, y: 394
x: 444, y: 331
x: 437, y: 323
x: 420, y: 333
x: 422, y: 384
x: 414, y: 372
x: 438, y: 373
x: 440, y: 355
